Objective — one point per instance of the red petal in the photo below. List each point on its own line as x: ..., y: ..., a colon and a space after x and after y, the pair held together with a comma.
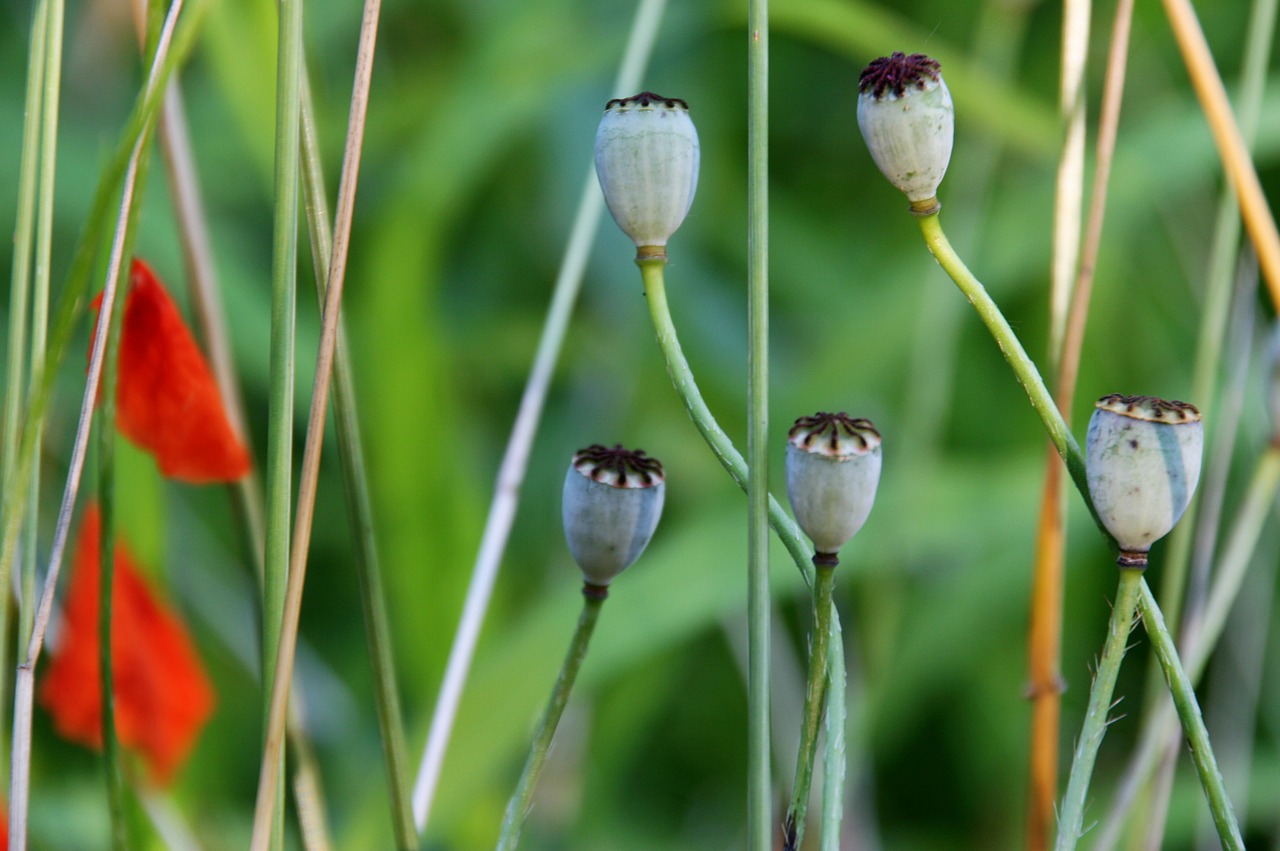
x: 166, y: 399
x: 162, y: 696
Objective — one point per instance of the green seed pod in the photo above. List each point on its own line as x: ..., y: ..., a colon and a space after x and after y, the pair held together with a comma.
x: 833, y: 469
x: 1143, y: 464
x: 611, y: 505
x: 647, y: 162
x: 908, y: 122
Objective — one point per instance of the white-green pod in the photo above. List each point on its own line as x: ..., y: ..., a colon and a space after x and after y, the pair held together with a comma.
x: 647, y: 162
x: 611, y: 505
x: 833, y: 470
x: 908, y: 122
x: 1143, y: 464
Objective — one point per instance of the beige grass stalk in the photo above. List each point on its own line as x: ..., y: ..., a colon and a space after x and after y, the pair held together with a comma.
x: 269, y: 777
x: 1044, y: 642
x: 193, y: 230
x: 1049, y: 619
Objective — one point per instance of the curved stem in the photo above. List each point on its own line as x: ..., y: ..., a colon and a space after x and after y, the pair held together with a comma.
x: 1071, y: 820
x: 824, y: 581
x: 520, y: 800
x: 1184, y: 699
x: 651, y: 271
x: 1023, y: 367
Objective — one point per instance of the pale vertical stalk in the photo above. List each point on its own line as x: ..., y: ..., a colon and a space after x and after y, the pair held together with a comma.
x: 359, y: 503
x: 515, y: 460
x: 759, y: 790
x: 270, y: 778
x: 24, y: 690
x: 246, y: 493
x: 1192, y: 544
x: 284, y: 280
x: 35, y: 204
x: 1045, y: 641
x: 40, y: 288
x: 1187, y: 542
x: 1232, y: 149
x: 1069, y: 195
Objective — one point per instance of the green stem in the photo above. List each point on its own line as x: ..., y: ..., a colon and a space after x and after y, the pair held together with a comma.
x: 759, y: 783
x: 1071, y: 817
x: 652, y: 274
x: 279, y: 480
x: 1133, y: 592
x: 593, y: 600
x: 1184, y: 699
x: 1023, y: 367
x: 824, y: 581
x: 106, y: 560
x: 834, y: 758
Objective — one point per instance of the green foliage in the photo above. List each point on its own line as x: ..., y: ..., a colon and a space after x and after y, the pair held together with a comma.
x: 481, y: 128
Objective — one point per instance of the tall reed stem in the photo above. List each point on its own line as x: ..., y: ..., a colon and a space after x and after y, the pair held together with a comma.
x: 270, y: 778
x: 355, y: 480
x: 284, y: 280
x: 759, y: 788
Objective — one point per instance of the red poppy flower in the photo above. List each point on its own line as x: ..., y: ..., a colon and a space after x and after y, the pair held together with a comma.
x: 162, y: 695
x: 166, y: 399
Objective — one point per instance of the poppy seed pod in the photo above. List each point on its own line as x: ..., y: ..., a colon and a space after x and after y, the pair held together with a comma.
x: 1143, y: 464
x: 611, y: 505
x: 908, y: 122
x: 833, y: 468
x: 647, y: 163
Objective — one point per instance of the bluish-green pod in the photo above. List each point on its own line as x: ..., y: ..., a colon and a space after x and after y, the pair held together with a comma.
x: 611, y: 505
x: 1143, y: 464
x: 647, y: 159
x: 908, y: 121
x: 833, y: 470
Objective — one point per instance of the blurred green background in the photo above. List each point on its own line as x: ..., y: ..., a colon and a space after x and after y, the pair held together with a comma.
x: 479, y: 142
